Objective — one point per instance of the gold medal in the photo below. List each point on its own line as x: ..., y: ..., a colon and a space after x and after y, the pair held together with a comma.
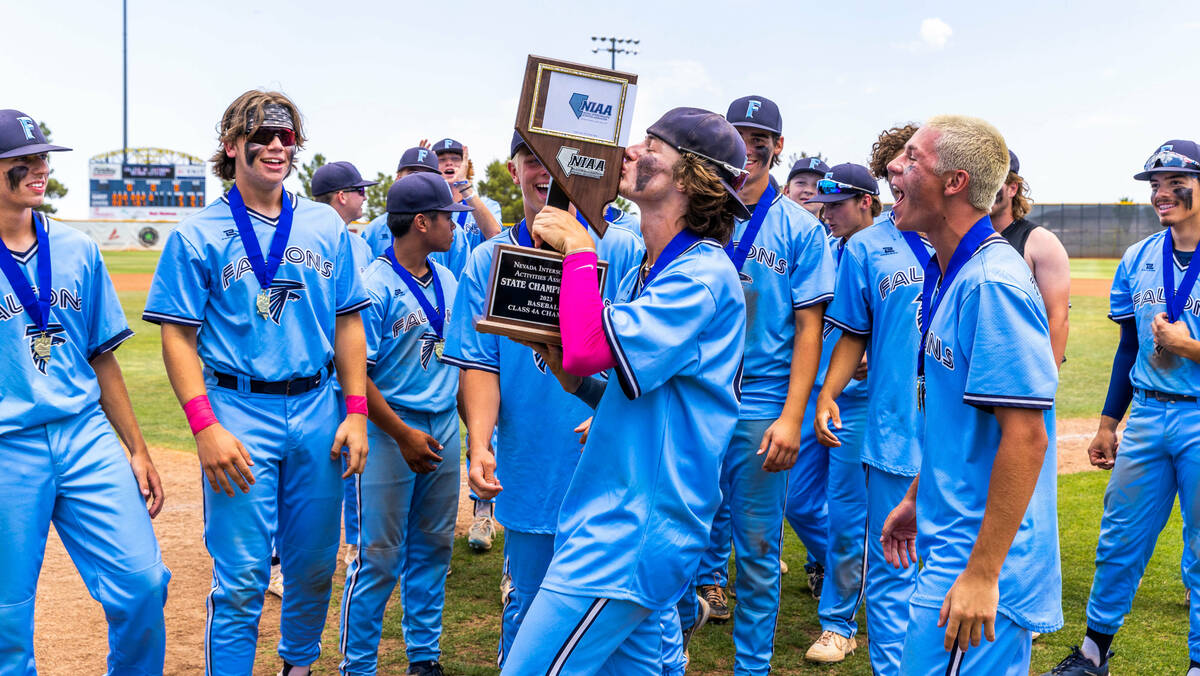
x: 263, y: 304
x: 921, y: 394
x: 439, y: 348
x: 41, y: 346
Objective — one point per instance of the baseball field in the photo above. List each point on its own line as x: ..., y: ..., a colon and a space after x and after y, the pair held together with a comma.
x: 70, y: 627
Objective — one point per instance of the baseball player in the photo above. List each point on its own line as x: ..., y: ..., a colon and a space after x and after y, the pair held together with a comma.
x: 1155, y: 367
x: 415, y: 159
x: 636, y: 515
x: 258, y: 298
x: 61, y: 399
x: 1040, y: 248
x: 506, y: 386
x: 982, y: 509
x: 339, y: 185
x: 787, y: 274
x: 880, y: 272
x: 850, y: 201
x: 409, y: 494
x: 802, y: 180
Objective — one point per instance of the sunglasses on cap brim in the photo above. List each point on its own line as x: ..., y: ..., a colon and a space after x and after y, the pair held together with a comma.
x: 1169, y: 159
x: 264, y: 135
x: 739, y: 175
x: 828, y: 186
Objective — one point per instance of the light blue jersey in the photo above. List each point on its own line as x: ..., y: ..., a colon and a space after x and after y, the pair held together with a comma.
x: 988, y: 345
x: 402, y: 357
x: 879, y: 285
x: 361, y: 252
x: 789, y: 267
x: 467, y: 236
x: 85, y: 321
x: 855, y: 389
x: 1137, y: 293
x: 534, y: 461
x: 204, y: 279
x: 637, y: 514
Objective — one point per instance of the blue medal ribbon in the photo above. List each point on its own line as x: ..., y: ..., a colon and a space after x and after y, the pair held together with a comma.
x: 738, y: 255
x: 914, y: 242
x: 523, y: 236
x: 435, y: 315
x: 1176, y: 299
x: 461, y: 218
x: 931, y: 296
x: 264, y: 271
x: 681, y: 242
x: 38, y: 306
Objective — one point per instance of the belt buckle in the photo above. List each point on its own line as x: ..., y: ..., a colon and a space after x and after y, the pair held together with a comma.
x: 287, y: 388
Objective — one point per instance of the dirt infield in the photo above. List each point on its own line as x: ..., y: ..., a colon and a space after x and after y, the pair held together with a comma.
x: 1098, y: 288
x: 132, y: 281
x: 70, y: 626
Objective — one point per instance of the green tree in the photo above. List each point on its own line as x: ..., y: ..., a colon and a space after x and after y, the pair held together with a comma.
x: 803, y: 154
x: 498, y: 185
x: 54, y: 189
x: 306, y: 172
x: 376, y: 202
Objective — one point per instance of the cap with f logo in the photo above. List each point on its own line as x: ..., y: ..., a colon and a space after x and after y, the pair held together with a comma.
x: 755, y: 111
x: 21, y: 135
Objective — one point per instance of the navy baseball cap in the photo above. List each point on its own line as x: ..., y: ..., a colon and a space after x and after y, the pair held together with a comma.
x: 421, y: 159
x: 807, y: 165
x: 845, y: 181
x: 337, y: 176
x: 448, y: 145
x: 516, y: 144
x: 755, y: 111
x: 1014, y: 165
x: 1176, y: 156
x: 710, y: 137
x: 421, y: 192
x: 20, y: 135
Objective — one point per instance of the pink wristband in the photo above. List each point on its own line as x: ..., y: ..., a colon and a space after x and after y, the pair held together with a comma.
x: 199, y: 413
x: 580, y: 317
x: 356, y: 404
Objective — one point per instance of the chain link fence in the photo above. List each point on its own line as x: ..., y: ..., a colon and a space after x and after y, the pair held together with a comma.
x: 1097, y: 230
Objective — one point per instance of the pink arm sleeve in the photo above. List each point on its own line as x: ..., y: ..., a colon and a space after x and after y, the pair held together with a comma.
x: 580, y: 310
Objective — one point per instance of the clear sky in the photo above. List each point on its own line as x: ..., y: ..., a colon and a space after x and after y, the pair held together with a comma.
x: 1083, y: 91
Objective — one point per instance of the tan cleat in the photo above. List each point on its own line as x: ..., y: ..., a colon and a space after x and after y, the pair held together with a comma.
x: 479, y: 537
x: 831, y: 648
x: 718, y: 604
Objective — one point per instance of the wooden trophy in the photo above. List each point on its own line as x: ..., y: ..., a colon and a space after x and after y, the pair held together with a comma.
x: 575, y: 119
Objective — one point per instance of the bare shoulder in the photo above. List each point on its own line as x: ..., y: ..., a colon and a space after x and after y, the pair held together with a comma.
x: 1044, y: 247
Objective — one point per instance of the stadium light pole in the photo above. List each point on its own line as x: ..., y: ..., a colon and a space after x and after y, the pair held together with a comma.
x: 124, y: 82
x: 612, y: 47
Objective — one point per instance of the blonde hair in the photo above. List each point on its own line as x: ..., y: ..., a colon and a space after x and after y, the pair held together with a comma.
x: 233, y: 126
x: 972, y: 145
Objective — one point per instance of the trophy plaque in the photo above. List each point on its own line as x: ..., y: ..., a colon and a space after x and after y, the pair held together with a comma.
x: 575, y: 119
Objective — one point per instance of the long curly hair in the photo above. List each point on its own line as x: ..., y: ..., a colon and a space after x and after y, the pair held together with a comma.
x: 233, y: 126
x: 1021, y: 203
x: 710, y: 211
x: 888, y: 146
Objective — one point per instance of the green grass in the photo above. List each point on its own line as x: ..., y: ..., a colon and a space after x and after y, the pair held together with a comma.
x: 1093, y: 268
x: 1153, y: 641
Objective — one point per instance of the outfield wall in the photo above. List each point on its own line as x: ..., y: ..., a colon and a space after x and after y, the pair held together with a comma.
x: 126, y: 234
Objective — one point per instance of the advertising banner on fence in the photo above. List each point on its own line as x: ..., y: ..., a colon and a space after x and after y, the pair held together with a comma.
x: 126, y: 234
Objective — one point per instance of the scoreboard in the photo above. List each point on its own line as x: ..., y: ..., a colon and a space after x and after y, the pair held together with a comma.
x: 151, y: 184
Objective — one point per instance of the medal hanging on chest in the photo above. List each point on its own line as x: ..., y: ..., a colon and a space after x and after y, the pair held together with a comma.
x: 264, y: 270
x: 435, y: 314
x: 439, y: 348
x: 36, y: 305
x: 1176, y: 298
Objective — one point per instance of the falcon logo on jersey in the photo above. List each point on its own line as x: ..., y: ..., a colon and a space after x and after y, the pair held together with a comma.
x: 539, y: 362
x: 32, y: 332
x: 898, y: 279
x: 281, y: 291
x: 429, y: 341
x: 745, y: 278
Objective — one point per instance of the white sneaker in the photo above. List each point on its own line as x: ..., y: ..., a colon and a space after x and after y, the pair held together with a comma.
x: 482, y: 531
x: 783, y: 569
x: 275, y: 586
x: 831, y: 648
x: 351, y: 554
x: 506, y: 588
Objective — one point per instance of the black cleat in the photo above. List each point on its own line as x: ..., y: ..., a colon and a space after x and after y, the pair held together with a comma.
x: 816, y: 578
x: 1076, y: 664
x: 425, y: 668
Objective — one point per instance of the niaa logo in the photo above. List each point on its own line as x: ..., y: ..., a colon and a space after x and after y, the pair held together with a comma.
x: 582, y: 107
